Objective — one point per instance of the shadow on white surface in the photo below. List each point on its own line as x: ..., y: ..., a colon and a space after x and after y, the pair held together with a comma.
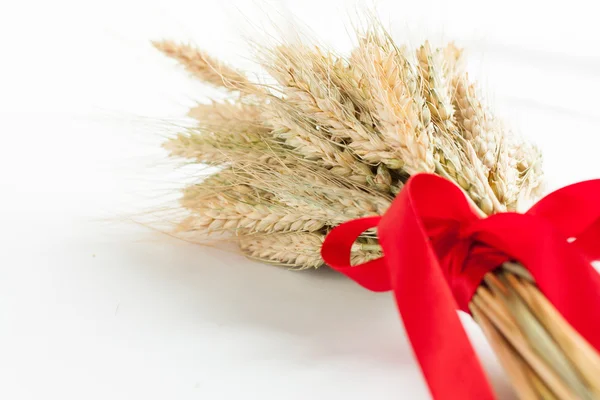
x: 270, y: 331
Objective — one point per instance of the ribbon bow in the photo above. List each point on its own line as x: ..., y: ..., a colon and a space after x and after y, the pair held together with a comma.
x: 437, y: 250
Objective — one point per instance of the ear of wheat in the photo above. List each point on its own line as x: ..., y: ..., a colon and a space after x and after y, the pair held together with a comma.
x: 335, y: 138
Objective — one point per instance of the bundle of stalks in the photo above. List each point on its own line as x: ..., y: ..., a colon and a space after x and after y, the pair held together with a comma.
x: 543, y: 355
x: 335, y: 138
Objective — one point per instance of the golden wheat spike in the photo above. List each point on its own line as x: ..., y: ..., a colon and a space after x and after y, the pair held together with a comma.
x: 204, y: 67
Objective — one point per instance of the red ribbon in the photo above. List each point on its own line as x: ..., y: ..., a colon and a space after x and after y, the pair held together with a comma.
x: 437, y: 250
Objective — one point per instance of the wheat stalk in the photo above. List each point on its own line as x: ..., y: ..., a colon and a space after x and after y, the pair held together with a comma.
x: 398, y: 112
x: 204, y: 67
x: 531, y: 182
x: 254, y: 198
x: 226, y: 203
x: 229, y: 214
x: 299, y: 250
x: 435, y: 83
x: 224, y: 132
x: 454, y: 60
x: 544, y: 356
x: 236, y: 115
x: 485, y: 134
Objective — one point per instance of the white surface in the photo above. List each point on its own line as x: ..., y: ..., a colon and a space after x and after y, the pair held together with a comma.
x: 99, y: 309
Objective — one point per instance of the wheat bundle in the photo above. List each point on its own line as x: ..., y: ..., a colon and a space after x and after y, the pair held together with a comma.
x: 335, y: 138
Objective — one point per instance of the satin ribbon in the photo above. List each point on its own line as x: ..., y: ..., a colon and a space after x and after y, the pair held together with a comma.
x: 437, y: 250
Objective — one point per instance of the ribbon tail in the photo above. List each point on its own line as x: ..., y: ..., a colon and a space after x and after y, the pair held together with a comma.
x: 428, y: 308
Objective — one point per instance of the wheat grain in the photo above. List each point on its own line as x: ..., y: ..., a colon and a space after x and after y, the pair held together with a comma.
x: 383, y: 179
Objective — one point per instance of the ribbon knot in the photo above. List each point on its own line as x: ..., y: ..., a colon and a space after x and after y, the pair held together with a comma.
x: 437, y: 250
x: 461, y: 259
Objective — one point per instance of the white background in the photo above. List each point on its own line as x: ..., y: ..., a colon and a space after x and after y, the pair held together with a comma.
x: 95, y: 307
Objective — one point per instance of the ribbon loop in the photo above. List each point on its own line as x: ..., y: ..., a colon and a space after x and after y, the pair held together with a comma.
x: 337, y: 250
x: 437, y: 253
